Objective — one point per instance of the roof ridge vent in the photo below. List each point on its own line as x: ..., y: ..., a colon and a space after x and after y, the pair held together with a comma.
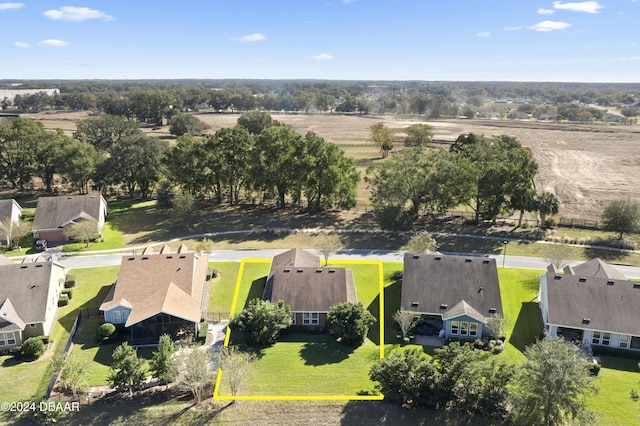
x: 319, y: 270
x: 416, y: 256
x: 557, y: 277
x: 443, y: 306
x: 468, y: 259
x: 437, y: 258
x: 287, y: 269
x: 610, y: 282
x: 332, y: 270
x: 485, y: 261
x: 493, y: 310
x: 582, y: 279
x: 636, y: 285
x: 586, y: 320
x: 300, y: 270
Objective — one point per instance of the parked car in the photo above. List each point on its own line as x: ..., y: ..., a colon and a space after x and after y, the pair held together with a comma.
x: 41, y: 245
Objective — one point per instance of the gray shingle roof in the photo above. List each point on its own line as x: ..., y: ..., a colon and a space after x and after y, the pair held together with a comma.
x: 296, y: 278
x: 593, y: 303
x: 25, y: 286
x: 53, y: 212
x: 437, y: 284
x: 596, y: 268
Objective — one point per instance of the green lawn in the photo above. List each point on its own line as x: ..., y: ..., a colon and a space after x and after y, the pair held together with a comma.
x: 310, y: 364
x: 613, y: 402
x: 222, y: 288
x: 23, y: 380
x: 97, y: 355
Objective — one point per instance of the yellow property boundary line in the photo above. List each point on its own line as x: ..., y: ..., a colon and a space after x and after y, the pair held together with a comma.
x: 227, y: 337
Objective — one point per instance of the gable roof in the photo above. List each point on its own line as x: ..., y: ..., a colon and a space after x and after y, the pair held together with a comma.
x: 24, y: 290
x: 450, y: 286
x: 7, y: 207
x: 596, y: 268
x: 149, y: 284
x: 4, y: 260
x: 593, y: 303
x: 296, y: 278
x: 55, y: 212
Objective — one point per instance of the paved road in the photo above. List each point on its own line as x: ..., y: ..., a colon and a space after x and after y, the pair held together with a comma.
x: 71, y: 262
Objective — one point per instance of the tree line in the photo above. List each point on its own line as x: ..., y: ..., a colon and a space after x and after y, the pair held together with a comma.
x: 259, y: 157
x: 489, y: 175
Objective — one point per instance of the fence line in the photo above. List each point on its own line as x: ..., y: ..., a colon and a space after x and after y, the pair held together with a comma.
x: 68, y: 347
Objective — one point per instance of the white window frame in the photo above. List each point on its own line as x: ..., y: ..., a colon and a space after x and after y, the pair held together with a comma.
x: 625, y: 341
x: 11, y: 341
x: 455, y: 324
x: 310, y: 318
x: 601, y: 338
x: 464, y: 328
x: 473, y: 329
x: 116, y: 314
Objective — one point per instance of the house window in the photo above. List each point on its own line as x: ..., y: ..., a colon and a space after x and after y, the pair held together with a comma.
x: 473, y: 329
x: 624, y: 341
x: 7, y: 339
x: 464, y: 328
x: 600, y: 338
x: 310, y: 318
x: 120, y: 316
x: 293, y: 318
x: 455, y: 327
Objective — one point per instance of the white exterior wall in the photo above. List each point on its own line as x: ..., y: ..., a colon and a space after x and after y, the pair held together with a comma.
x: 11, y: 94
x: 56, y: 284
x: 544, y: 300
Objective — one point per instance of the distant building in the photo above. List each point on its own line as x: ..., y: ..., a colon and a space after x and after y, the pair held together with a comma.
x: 55, y: 214
x: 11, y: 93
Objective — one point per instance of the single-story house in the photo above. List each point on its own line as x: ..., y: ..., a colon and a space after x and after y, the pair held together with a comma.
x: 29, y: 293
x: 457, y: 295
x: 55, y: 214
x: 297, y: 278
x: 591, y: 304
x: 158, y: 293
x: 9, y: 209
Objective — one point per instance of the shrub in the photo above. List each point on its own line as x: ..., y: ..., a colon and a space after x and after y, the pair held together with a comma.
x: 594, y: 369
x: 63, y: 301
x: 202, y: 331
x: 106, y: 330
x: 550, y: 222
x: 32, y: 348
x: 70, y: 281
x: 67, y: 293
x: 45, y: 339
x: 479, y: 344
x: 633, y: 394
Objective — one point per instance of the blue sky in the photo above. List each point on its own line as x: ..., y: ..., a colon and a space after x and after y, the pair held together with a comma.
x: 517, y: 40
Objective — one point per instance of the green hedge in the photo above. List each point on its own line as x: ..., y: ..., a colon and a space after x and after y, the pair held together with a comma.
x: 68, y: 293
x: 70, y: 281
x: 63, y: 301
x: 620, y: 353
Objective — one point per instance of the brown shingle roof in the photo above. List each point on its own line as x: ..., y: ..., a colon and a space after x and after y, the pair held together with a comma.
x: 54, y: 212
x: 593, y: 303
x: 437, y: 284
x: 296, y: 278
x: 159, y: 283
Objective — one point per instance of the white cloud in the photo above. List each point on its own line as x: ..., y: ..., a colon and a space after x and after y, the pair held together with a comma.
x: 630, y: 58
x: 518, y: 28
x: 542, y: 11
x: 484, y: 34
x: 7, y: 6
x: 546, y: 26
x: 53, y: 43
x: 252, y: 37
x: 584, y: 6
x: 322, y: 57
x: 76, y: 14
x: 20, y: 45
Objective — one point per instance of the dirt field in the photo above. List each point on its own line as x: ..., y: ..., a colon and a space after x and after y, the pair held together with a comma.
x: 585, y: 165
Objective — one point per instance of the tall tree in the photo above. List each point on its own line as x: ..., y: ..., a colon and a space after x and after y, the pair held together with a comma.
x: 51, y: 154
x: 552, y: 385
x: 84, y: 231
x: 189, y: 165
x: 229, y: 150
x: 136, y: 162
x: 278, y: 162
x: 421, y: 242
x: 105, y: 130
x: 181, y: 124
x: 256, y: 121
x: 127, y: 370
x: 332, y: 177
x: 19, y: 139
x: 80, y: 163
x: 382, y: 137
x: 328, y: 244
x: 12, y: 232
x: 621, y: 216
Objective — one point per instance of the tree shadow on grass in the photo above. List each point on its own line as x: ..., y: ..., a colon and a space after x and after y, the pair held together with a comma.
x: 606, y: 255
x: 256, y: 291
x: 392, y: 295
x: 323, y: 349
x: 528, y: 326
x: 469, y: 245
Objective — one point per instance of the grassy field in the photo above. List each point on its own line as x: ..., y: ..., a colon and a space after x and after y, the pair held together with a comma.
x: 222, y: 288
